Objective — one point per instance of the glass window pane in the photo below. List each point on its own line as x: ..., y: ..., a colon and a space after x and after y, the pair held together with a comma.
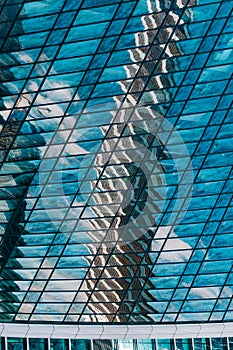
x: 201, y: 344
x: 102, y: 345
x: 38, y: 344
x: 59, y: 344
x: 183, y: 344
x: 2, y: 344
x: 16, y: 344
x: 230, y: 340
x: 81, y: 344
x: 165, y: 344
x: 219, y: 343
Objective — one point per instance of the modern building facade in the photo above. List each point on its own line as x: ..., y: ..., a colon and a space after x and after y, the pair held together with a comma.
x: 116, y: 173
x: 128, y: 344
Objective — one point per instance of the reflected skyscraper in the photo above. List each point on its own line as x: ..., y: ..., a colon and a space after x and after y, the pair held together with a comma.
x: 111, y: 114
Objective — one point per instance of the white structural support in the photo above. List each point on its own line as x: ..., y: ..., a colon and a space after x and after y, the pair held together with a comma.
x: 200, y: 330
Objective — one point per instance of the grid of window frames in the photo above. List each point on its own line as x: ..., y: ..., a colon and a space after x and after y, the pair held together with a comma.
x: 82, y: 80
x: 127, y: 344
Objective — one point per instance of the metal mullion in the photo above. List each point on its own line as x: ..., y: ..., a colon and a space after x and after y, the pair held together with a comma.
x: 25, y: 344
x: 29, y: 33
x: 153, y: 343
x: 192, y: 344
x: 228, y: 344
x: 99, y: 6
x: 209, y: 340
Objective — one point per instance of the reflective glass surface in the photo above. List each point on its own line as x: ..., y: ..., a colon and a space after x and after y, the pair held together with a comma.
x: 117, y: 344
x: 116, y: 162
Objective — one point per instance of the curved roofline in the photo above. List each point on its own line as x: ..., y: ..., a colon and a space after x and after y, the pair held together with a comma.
x: 197, y: 330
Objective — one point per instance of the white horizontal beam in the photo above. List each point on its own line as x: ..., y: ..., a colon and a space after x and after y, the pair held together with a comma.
x: 200, y: 330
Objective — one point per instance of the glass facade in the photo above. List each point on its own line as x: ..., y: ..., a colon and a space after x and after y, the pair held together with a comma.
x: 117, y: 344
x: 116, y: 164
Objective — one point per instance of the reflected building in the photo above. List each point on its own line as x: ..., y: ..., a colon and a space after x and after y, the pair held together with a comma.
x: 112, y: 116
